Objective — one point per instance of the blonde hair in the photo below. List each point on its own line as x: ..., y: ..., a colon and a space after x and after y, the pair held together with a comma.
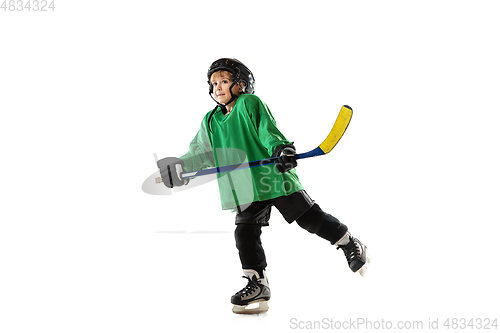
x: 221, y: 73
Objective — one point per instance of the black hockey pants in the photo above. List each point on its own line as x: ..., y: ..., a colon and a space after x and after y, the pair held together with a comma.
x: 314, y: 220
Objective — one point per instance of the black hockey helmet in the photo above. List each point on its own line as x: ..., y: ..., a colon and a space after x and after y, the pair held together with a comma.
x: 240, y: 73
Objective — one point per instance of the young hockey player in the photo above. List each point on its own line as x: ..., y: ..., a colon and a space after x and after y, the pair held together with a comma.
x: 241, y: 128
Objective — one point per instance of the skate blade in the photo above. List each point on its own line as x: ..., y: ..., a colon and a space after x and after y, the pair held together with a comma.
x: 252, y: 308
x: 363, y: 269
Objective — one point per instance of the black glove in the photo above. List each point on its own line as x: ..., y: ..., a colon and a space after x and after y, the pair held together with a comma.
x: 171, y: 169
x: 286, y: 158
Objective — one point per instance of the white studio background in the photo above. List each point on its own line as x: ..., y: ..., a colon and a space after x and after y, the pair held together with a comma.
x: 89, y: 91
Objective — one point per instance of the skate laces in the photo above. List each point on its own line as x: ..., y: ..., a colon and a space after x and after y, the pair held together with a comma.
x: 351, y: 250
x: 250, y: 287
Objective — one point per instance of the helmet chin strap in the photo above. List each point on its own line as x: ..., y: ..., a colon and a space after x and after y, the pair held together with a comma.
x: 223, y: 106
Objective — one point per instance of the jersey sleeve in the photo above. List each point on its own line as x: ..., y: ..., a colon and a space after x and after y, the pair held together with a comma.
x: 263, y: 121
x: 200, y: 153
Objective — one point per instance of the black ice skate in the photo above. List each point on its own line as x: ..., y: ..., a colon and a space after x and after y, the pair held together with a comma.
x: 355, y: 252
x: 253, y: 298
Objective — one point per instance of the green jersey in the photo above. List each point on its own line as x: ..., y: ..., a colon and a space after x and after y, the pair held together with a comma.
x: 248, y: 133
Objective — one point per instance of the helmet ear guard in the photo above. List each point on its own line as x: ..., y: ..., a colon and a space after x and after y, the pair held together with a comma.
x: 244, y: 86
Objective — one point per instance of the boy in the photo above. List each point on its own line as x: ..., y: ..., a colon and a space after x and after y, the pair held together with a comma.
x: 241, y: 128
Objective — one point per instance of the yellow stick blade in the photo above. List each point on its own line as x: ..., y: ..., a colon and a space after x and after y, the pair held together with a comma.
x: 338, y: 129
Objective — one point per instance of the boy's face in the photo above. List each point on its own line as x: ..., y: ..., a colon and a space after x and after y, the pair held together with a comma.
x: 221, y: 81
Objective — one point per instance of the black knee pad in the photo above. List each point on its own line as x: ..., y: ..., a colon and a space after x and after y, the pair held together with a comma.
x: 247, y: 235
x: 252, y: 255
x: 326, y: 226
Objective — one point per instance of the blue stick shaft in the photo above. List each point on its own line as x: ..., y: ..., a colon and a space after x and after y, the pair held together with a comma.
x: 267, y: 161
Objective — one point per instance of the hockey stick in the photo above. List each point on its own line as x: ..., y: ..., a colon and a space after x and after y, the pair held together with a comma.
x: 325, y: 147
